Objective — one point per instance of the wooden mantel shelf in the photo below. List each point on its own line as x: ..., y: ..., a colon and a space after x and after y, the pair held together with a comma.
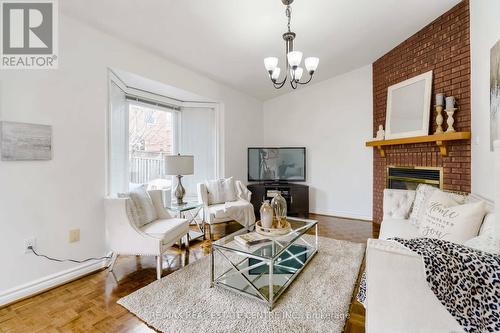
x: 439, y: 139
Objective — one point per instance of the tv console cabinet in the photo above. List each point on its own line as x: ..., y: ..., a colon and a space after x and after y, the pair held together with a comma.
x: 296, y: 196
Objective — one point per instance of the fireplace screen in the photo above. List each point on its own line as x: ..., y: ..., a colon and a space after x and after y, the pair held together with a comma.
x: 408, y: 178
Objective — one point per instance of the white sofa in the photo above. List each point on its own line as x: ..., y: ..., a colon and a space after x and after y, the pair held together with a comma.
x: 398, y: 298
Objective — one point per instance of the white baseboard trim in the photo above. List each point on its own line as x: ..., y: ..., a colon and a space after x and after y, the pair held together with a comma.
x: 50, y: 281
x: 347, y: 215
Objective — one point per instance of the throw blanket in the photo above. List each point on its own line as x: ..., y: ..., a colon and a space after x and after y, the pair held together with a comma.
x: 241, y: 213
x: 466, y: 281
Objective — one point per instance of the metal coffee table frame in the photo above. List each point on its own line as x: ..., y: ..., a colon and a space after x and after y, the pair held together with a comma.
x: 271, y: 263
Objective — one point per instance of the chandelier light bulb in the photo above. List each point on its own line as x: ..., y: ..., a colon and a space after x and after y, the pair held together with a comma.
x: 276, y: 73
x: 294, y: 58
x: 270, y: 63
x: 298, y: 73
x: 311, y: 64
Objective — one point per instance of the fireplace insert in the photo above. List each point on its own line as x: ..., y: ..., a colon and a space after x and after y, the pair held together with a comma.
x: 408, y: 178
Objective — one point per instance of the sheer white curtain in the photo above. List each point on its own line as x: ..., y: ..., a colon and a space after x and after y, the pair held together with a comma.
x: 118, y: 174
x: 198, y: 138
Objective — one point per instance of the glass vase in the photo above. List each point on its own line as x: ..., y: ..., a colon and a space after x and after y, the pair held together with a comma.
x: 279, y: 208
x: 266, y: 214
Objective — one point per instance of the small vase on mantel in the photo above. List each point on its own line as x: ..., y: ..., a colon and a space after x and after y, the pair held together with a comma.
x: 266, y: 214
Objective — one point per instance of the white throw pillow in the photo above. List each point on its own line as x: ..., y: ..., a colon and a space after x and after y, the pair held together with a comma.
x: 221, y: 191
x: 131, y: 209
x: 446, y: 219
x: 140, y: 208
x: 484, y: 243
x: 422, y: 195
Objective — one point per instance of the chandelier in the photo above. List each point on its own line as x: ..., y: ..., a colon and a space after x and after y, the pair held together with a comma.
x: 293, y: 59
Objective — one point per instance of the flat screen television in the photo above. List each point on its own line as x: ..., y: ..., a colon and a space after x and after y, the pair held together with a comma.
x: 277, y: 164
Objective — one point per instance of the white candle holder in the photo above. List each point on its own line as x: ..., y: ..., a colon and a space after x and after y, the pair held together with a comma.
x: 450, y: 121
x: 439, y: 119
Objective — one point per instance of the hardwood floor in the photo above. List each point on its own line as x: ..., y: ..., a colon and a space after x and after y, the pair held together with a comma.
x: 89, y: 304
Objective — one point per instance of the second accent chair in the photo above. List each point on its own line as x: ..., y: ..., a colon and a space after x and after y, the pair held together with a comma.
x: 226, y: 200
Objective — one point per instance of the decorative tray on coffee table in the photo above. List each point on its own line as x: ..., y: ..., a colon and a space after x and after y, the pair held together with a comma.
x: 274, y: 231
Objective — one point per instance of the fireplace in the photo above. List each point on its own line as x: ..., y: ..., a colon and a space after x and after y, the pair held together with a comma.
x: 408, y: 178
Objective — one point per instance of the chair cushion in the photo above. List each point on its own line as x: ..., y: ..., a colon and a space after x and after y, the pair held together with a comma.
x: 167, y: 229
x: 398, y: 228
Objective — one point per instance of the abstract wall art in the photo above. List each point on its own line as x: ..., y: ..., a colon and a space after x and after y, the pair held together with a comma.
x: 25, y: 142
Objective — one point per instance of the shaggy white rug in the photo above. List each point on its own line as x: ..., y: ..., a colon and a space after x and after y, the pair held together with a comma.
x: 317, y: 301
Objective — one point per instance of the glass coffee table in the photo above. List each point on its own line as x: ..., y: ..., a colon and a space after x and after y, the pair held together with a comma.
x: 263, y: 271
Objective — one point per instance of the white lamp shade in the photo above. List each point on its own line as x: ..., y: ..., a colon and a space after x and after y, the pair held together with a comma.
x: 179, y: 164
x: 276, y: 73
x: 311, y: 64
x: 294, y: 58
x: 270, y: 63
x: 296, y: 73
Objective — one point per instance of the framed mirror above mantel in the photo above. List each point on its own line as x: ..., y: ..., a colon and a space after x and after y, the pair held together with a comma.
x: 409, y: 107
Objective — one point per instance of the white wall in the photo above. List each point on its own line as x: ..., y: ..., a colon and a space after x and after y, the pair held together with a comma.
x: 485, y: 32
x: 46, y: 199
x: 332, y: 119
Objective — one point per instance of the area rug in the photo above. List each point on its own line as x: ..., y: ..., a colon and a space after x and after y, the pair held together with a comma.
x: 317, y: 301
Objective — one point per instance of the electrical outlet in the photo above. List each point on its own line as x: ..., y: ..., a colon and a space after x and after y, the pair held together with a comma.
x: 29, y: 242
x: 74, y: 235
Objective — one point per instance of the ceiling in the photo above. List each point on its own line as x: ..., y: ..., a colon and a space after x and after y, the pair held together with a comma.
x: 138, y: 82
x: 227, y: 40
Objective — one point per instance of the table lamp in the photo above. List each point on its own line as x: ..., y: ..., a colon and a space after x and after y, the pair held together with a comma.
x: 179, y: 165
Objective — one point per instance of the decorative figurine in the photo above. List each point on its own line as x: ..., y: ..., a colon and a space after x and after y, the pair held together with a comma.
x: 380, y: 133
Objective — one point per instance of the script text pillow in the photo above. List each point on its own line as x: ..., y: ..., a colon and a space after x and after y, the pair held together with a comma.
x: 445, y: 219
x: 221, y: 191
x: 422, y: 195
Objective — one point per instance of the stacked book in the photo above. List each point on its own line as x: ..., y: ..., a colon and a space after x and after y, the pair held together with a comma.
x: 251, y: 239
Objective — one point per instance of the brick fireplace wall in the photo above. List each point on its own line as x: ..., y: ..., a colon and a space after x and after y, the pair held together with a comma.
x: 442, y: 46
